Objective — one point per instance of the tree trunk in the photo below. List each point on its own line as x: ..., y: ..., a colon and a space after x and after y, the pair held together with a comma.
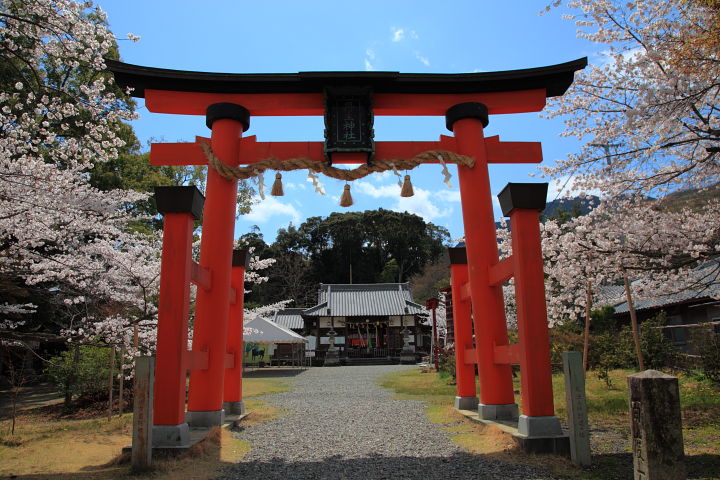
x: 71, y: 379
x: 633, y: 322
x: 586, y: 336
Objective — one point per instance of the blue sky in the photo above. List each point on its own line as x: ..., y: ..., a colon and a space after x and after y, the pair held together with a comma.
x: 406, y: 36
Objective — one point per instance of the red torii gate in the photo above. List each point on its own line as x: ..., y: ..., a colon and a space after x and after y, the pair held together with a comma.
x: 466, y: 100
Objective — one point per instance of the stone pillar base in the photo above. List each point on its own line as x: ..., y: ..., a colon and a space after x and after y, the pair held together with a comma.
x: 508, y: 411
x: 234, y: 408
x: 466, y: 403
x: 171, y: 436
x: 407, y: 357
x: 331, y: 359
x: 539, y: 426
x: 213, y: 418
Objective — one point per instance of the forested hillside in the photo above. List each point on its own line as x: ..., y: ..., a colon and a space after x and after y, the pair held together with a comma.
x: 355, y: 247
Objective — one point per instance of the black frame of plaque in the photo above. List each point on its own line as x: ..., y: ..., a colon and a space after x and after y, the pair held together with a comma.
x: 349, y: 121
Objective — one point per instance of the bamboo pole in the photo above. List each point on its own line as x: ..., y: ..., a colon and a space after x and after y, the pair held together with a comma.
x: 121, y: 399
x: 110, y: 381
x: 586, y: 335
x: 633, y: 321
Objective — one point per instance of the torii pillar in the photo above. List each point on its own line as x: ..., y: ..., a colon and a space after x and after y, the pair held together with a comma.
x: 205, y: 401
x: 497, y: 400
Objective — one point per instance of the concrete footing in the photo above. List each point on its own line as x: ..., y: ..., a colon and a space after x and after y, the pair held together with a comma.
x: 555, y: 444
x: 507, y: 411
x: 466, y: 403
x: 171, y: 436
x: 533, y: 427
x: 213, y: 418
x: 234, y: 408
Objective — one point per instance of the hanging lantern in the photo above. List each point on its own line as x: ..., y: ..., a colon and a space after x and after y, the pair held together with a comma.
x: 277, y: 188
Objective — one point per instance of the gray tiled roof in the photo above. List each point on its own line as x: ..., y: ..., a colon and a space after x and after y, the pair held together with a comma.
x: 369, y: 299
x: 289, y: 318
x: 706, y: 273
x: 667, y: 300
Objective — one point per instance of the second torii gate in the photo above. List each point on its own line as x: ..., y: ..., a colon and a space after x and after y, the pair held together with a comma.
x: 349, y: 101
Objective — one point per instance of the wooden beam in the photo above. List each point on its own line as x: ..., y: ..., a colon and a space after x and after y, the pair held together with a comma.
x: 507, y: 354
x: 197, y: 360
x: 501, y: 272
x: 200, y: 276
x: 465, y: 291
x: 470, y: 356
x: 252, y: 151
x: 229, y: 360
x: 312, y: 104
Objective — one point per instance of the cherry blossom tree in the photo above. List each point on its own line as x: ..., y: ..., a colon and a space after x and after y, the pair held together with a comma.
x: 61, y: 115
x: 647, y: 117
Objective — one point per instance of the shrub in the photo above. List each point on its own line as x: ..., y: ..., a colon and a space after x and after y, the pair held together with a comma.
x: 658, y: 350
x: 567, y: 337
x: 80, y: 370
x: 708, y: 346
x: 446, y: 362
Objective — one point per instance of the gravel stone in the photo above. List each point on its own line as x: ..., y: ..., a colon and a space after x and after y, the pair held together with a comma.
x: 342, y: 425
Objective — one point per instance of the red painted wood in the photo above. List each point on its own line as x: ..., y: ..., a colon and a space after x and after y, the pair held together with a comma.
x: 252, y: 151
x: 233, y: 374
x: 199, y: 276
x: 535, y: 368
x: 311, y: 104
x: 471, y: 356
x: 173, y: 310
x: 501, y: 272
x: 197, y: 360
x: 465, y: 373
x: 481, y: 245
x: 507, y: 354
x: 212, y: 305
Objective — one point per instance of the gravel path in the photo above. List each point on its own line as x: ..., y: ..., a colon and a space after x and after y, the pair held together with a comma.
x: 341, y: 425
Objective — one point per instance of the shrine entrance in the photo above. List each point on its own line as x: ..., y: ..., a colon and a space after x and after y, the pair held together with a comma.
x: 348, y: 101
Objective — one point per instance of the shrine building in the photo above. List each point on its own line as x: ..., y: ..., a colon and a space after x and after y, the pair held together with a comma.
x: 368, y: 321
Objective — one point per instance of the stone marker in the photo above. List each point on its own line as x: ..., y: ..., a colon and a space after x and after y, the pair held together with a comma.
x: 656, y: 426
x: 576, y: 408
x: 142, y: 413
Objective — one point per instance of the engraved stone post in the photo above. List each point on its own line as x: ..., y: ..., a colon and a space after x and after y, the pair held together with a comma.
x: 576, y: 408
x: 656, y: 426
x: 142, y: 413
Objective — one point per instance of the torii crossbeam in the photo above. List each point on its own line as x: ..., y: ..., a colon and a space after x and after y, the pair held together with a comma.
x: 349, y: 101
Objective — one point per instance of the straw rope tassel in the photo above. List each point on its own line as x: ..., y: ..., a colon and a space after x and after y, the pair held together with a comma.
x: 277, y: 188
x: 407, y: 188
x: 346, y: 199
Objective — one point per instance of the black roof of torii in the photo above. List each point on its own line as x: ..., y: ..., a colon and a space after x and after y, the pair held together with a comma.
x: 555, y: 79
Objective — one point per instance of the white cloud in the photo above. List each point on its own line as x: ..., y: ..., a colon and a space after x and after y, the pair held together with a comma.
x: 369, y: 66
x: 294, y: 186
x: 448, y: 195
x: 265, y: 209
x: 422, y: 59
x: 370, y: 53
x: 420, y: 204
x: 414, y: 35
x: 398, y: 34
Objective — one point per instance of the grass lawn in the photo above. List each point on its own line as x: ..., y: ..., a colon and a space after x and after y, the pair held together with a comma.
x: 608, y: 416
x: 48, y: 446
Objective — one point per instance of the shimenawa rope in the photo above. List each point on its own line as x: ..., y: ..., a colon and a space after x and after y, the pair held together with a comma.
x: 362, y: 171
